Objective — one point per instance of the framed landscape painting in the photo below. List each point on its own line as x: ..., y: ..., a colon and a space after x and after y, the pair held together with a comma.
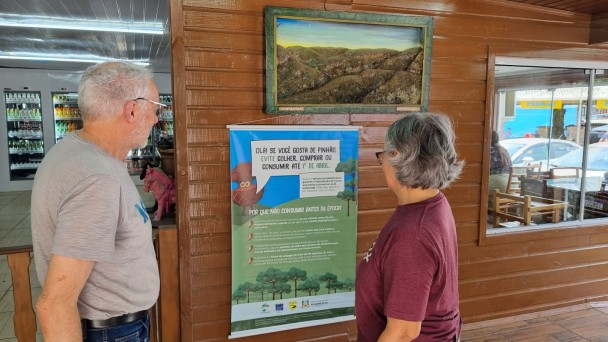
x: 346, y: 62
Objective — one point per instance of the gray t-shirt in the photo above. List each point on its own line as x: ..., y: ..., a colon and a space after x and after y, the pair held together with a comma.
x: 86, y: 206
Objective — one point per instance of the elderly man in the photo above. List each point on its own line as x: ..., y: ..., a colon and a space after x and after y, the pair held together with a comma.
x: 91, y: 234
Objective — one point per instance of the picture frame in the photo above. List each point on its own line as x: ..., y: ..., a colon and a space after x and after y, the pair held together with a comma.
x: 330, y: 62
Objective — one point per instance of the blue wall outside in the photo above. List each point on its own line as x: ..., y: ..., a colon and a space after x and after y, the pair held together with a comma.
x: 527, y: 120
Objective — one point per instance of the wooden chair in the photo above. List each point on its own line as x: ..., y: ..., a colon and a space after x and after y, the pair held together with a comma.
x: 514, y: 181
x: 524, y: 208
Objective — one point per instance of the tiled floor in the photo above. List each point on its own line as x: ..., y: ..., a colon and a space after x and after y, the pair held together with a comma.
x: 14, y: 231
x: 579, y: 323
x: 570, y: 324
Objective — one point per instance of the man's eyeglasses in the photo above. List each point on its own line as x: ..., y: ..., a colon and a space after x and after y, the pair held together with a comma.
x: 161, y: 105
x: 380, y: 156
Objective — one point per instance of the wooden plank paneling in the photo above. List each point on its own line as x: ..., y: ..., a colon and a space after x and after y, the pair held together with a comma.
x: 222, y: 21
x: 507, y: 28
x: 198, y: 58
x: 221, y: 40
x: 225, y: 97
x: 206, y: 208
x: 457, y: 90
x: 209, y: 173
x: 216, y: 79
x: 459, y: 69
x: 211, y: 243
x: 219, y: 67
x: 487, y: 9
x: 535, y: 280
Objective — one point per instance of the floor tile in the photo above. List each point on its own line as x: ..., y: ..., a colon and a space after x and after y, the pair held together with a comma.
x: 520, y: 325
x: 598, y: 339
x: 533, y: 331
x: 476, y: 333
x: 572, y: 323
x: 6, y: 327
x: 575, y: 314
x: 597, y: 330
x: 486, y: 338
x: 7, y: 303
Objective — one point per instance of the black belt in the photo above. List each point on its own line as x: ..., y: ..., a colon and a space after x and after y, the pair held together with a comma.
x: 114, y: 321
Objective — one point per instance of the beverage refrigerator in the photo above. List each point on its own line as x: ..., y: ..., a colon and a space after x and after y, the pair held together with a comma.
x: 38, y: 108
x: 23, y: 114
x: 66, y: 113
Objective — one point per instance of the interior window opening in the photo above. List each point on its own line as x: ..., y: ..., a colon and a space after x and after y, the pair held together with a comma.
x: 549, y: 148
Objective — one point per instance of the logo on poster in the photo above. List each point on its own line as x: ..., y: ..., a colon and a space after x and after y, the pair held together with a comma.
x: 293, y: 305
x: 265, y: 308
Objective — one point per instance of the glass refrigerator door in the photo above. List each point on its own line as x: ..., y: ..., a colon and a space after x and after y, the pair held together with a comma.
x: 160, y: 137
x: 164, y: 138
x: 23, y: 115
x: 66, y: 114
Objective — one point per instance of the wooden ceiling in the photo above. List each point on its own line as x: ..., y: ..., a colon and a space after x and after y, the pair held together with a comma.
x: 597, y: 9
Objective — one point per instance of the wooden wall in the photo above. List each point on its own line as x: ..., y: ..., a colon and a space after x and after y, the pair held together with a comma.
x: 218, y: 70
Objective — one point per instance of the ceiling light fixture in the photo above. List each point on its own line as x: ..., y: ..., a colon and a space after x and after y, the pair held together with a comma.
x: 17, y: 20
x: 70, y: 58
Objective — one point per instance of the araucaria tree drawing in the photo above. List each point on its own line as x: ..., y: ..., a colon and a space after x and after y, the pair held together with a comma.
x: 328, y: 278
x: 310, y: 285
x: 296, y: 274
x: 278, y: 282
x: 272, y: 276
x: 349, y: 167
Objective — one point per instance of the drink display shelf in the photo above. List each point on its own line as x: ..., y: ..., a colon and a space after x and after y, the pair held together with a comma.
x: 23, y: 101
x: 25, y: 166
x: 27, y: 118
x: 75, y: 118
x: 22, y: 151
x: 25, y: 135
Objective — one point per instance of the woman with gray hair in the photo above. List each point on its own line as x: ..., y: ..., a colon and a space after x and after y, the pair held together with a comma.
x: 407, y: 283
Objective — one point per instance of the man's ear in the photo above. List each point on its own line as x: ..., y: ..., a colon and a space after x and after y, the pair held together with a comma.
x: 128, y: 111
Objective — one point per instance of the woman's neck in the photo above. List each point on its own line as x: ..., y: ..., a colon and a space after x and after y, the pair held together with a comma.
x: 407, y: 195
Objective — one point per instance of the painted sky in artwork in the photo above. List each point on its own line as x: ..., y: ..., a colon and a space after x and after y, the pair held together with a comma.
x: 308, y: 33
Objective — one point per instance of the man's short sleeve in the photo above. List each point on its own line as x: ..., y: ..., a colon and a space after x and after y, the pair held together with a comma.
x: 88, y: 219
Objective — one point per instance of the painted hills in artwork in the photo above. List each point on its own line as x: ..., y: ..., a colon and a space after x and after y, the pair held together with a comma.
x: 326, y: 75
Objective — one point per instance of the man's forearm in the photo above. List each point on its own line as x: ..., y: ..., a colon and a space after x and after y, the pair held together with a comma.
x: 59, y: 323
x: 399, y: 331
x: 393, y: 336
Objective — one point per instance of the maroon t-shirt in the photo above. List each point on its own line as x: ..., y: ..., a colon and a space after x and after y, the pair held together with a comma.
x: 410, y: 273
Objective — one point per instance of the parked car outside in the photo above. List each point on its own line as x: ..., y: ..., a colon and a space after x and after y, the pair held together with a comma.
x: 534, y: 150
x: 598, y: 134
x: 597, y: 159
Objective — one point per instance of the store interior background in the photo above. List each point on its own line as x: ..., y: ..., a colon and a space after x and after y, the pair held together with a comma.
x: 46, y: 45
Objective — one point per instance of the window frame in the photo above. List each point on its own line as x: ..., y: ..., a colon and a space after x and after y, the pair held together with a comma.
x: 504, y: 55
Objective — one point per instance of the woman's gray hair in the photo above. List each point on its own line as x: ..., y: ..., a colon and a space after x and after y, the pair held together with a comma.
x: 104, y: 88
x: 426, y: 155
